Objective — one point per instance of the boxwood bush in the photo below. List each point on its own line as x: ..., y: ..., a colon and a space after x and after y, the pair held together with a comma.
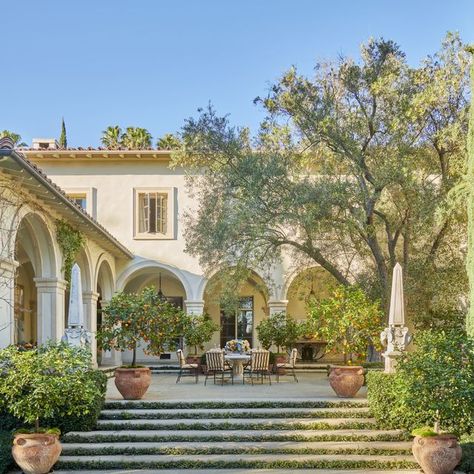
x: 5, y: 451
x: 433, y: 383
x: 26, y: 372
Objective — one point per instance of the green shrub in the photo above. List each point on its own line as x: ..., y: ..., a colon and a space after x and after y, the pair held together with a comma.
x: 52, y: 385
x: 5, y: 451
x: 433, y: 383
x: 467, y: 461
x: 279, y: 329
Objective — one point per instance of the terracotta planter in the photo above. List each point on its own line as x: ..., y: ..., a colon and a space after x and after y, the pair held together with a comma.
x: 36, y: 453
x: 280, y: 359
x: 346, y: 381
x: 193, y: 359
x: 437, y: 454
x: 132, y: 383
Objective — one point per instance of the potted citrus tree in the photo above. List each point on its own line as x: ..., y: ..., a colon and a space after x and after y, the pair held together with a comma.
x: 134, y: 319
x: 198, y: 331
x: 348, y: 321
x: 279, y: 330
x: 52, y: 381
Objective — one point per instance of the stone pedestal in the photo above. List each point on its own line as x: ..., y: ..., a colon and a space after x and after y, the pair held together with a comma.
x: 395, y: 339
x: 51, y: 299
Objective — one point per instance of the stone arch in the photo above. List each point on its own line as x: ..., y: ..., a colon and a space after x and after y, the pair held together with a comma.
x: 84, y: 260
x: 104, y: 278
x: 143, y: 269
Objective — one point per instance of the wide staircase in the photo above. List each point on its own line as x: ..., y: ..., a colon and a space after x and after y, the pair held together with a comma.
x: 237, y: 436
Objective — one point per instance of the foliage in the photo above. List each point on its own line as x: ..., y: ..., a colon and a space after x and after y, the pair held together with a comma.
x: 130, y: 318
x: 63, y: 137
x: 425, y: 431
x: 434, y: 383
x: 169, y: 141
x: 470, y: 208
x: 279, y: 329
x: 199, y: 330
x: 52, y: 381
x: 70, y: 241
x: 6, y: 459
x: 348, y: 321
x: 136, y: 138
x: 14, y: 136
x: 467, y: 460
x: 387, y: 143
x: 112, y: 137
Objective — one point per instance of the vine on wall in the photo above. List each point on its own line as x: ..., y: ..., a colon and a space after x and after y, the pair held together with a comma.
x: 70, y: 241
x: 470, y: 208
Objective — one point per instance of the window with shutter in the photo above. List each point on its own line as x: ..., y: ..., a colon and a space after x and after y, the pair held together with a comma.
x: 153, y: 214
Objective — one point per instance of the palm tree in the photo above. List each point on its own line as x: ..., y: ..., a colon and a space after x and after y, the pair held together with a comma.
x: 169, y: 141
x: 136, y: 138
x: 112, y: 137
x: 14, y: 136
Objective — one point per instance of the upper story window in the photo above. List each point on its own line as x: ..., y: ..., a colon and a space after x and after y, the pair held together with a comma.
x: 79, y: 198
x: 153, y: 213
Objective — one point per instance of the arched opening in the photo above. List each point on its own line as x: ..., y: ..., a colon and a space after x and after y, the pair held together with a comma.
x: 169, y: 285
x: 238, y: 319
x: 35, y: 254
x: 314, y: 282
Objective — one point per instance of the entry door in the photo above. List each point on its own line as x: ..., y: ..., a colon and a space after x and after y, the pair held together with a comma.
x: 238, y: 325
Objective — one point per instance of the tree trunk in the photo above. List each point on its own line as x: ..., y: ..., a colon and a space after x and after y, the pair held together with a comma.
x: 37, y: 426
x: 134, y: 358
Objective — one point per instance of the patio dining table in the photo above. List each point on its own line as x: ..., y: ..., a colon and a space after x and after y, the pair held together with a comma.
x: 236, y: 360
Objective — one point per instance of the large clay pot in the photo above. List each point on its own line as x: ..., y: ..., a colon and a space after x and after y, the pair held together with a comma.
x: 437, y: 454
x: 281, y: 359
x: 132, y: 383
x: 346, y: 381
x: 36, y: 453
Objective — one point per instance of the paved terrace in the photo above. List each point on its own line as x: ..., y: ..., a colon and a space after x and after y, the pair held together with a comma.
x: 164, y: 387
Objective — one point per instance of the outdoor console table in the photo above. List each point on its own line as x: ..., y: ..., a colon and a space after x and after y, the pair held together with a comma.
x: 237, y: 362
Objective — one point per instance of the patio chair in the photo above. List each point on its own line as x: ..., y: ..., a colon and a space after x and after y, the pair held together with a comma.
x: 185, y: 369
x: 290, y: 365
x: 259, y: 365
x: 216, y: 366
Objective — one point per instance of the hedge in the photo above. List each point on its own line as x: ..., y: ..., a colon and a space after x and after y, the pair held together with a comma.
x: 6, y: 459
x: 433, y: 383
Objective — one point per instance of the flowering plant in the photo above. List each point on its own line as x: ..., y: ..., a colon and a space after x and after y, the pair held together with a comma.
x: 237, y: 345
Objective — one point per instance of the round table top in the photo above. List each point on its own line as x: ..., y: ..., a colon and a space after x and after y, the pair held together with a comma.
x: 237, y: 356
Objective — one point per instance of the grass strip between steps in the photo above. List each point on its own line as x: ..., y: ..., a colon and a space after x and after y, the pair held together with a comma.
x: 121, y: 415
x: 239, y: 404
x: 225, y: 425
x: 110, y: 450
x: 244, y: 464
x: 125, y: 438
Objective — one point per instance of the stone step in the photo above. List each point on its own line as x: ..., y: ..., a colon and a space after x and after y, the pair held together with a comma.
x: 317, y: 402
x: 277, y: 446
x: 242, y: 471
x: 154, y: 459
x: 232, y: 413
x: 241, y: 423
x: 131, y: 436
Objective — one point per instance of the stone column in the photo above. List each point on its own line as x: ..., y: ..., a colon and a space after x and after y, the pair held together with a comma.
x: 277, y: 306
x: 194, y: 306
x: 51, y: 307
x: 89, y: 300
x: 7, y: 301
x: 110, y: 358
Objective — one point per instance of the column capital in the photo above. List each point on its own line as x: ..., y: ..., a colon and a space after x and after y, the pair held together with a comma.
x: 50, y: 283
x: 90, y: 295
x: 8, y: 265
x: 277, y: 306
x: 194, y: 306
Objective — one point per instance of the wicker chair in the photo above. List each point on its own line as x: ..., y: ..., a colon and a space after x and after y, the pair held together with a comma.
x: 216, y: 366
x: 186, y: 370
x: 259, y: 365
x: 290, y: 365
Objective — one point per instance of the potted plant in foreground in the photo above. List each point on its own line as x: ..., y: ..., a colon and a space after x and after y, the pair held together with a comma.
x: 434, y: 451
x: 280, y: 330
x: 197, y: 332
x: 348, y: 322
x: 34, y: 386
x: 132, y: 319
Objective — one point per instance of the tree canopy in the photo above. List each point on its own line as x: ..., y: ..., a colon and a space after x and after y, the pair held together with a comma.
x: 353, y: 169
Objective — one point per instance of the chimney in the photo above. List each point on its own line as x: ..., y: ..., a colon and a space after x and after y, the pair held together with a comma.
x: 45, y: 144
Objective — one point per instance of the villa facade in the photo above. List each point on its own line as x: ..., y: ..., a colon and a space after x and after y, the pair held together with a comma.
x: 129, y: 205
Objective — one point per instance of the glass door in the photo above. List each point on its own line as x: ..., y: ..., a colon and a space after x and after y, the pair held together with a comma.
x: 240, y: 325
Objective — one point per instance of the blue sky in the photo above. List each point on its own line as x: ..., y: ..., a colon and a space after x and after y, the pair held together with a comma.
x: 152, y: 63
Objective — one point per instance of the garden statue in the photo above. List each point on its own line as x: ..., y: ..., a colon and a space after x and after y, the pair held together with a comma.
x: 75, y: 333
x: 395, y: 338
